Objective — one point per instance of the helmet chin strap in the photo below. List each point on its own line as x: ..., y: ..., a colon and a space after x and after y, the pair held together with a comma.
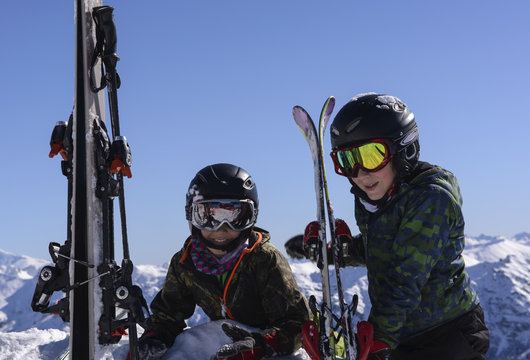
x: 225, y: 247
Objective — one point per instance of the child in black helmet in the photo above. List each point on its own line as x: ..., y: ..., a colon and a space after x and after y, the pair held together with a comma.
x: 412, y: 236
x: 229, y: 268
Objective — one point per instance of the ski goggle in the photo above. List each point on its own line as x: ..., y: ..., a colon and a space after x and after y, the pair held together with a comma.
x: 369, y: 156
x: 210, y: 215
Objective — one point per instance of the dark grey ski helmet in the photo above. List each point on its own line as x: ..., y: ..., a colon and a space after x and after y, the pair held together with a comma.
x: 379, y: 116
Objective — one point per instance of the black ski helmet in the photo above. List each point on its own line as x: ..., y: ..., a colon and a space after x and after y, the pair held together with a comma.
x: 221, y: 181
x: 379, y: 116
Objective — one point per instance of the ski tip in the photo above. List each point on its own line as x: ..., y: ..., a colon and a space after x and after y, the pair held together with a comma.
x: 330, y: 104
x: 300, y: 113
x: 298, y: 109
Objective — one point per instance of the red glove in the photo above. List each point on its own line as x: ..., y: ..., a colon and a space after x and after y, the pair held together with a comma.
x: 369, y: 348
x: 246, y: 345
x: 344, y: 240
x: 312, y: 248
x: 312, y: 243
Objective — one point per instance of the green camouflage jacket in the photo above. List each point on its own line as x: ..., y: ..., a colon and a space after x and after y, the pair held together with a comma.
x: 412, y: 249
x: 261, y: 292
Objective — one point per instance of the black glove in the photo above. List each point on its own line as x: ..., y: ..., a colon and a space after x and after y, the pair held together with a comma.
x: 246, y: 345
x: 151, y: 346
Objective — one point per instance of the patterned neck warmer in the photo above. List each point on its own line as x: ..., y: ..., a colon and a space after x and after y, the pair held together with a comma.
x: 208, y: 263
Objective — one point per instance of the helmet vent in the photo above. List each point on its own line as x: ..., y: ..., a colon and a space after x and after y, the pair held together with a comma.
x: 248, y: 184
x: 351, y: 126
x: 411, y: 136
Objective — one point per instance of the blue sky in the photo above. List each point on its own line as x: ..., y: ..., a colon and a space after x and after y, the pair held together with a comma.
x: 215, y: 81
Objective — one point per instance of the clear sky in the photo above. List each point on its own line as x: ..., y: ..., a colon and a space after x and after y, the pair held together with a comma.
x: 215, y: 81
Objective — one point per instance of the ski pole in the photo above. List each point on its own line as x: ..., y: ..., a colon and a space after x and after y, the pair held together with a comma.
x: 121, y: 159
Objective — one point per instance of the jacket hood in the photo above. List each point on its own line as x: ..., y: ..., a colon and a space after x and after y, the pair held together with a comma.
x: 433, y: 175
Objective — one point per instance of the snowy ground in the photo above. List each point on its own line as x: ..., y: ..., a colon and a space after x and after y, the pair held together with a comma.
x: 197, y: 343
x: 498, y: 268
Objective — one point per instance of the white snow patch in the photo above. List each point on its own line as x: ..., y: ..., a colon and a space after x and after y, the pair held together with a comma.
x: 29, y: 344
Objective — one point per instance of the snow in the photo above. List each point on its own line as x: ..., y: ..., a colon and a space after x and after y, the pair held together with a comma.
x: 498, y: 267
x: 497, y: 249
x: 32, y: 344
x: 206, y: 339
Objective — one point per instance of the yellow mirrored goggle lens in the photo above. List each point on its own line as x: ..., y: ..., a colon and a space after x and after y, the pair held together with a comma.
x: 369, y: 156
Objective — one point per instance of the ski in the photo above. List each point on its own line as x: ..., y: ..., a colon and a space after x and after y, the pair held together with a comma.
x: 345, y: 320
x: 326, y: 337
x: 94, y: 163
x: 64, y: 355
x: 86, y: 231
x: 335, y: 327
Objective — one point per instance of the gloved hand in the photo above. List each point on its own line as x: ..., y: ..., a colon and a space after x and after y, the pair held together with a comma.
x: 311, y: 243
x: 246, y: 345
x: 344, y: 239
x: 370, y: 348
x: 308, y: 245
x: 151, y: 346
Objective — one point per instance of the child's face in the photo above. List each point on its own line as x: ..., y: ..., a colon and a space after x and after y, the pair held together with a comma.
x: 376, y: 184
x: 222, y: 236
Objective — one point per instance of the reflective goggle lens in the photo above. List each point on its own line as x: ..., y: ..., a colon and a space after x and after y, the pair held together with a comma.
x: 370, y: 156
x: 210, y: 215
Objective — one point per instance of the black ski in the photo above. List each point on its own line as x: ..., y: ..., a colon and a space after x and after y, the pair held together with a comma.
x: 88, y: 107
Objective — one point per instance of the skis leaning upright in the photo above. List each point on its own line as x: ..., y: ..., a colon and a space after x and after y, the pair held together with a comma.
x: 96, y: 288
x: 345, y: 311
x: 332, y: 327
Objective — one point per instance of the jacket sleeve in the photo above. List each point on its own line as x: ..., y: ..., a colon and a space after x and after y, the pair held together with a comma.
x: 418, y: 244
x: 172, y: 305
x: 284, y: 304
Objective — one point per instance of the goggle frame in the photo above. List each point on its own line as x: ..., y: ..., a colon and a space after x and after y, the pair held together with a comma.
x: 216, y: 223
x: 339, y: 169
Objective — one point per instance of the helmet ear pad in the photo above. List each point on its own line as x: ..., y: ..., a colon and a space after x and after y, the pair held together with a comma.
x: 405, y: 160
